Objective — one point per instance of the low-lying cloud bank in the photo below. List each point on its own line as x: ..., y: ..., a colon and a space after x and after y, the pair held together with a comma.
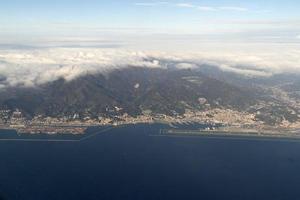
x: 34, y: 67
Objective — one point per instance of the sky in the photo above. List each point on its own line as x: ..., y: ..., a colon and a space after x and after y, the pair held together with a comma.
x: 42, y: 41
x: 134, y: 21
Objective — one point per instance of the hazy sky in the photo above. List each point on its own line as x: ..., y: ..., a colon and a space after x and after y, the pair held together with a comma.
x: 275, y: 20
x: 253, y: 37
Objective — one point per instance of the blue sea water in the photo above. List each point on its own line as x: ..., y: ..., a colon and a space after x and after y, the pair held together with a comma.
x: 133, y: 162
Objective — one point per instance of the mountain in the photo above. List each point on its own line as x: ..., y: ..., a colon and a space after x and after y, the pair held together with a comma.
x: 136, y: 90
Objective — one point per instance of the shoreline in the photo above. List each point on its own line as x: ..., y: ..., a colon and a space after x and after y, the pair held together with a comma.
x: 224, y: 133
x: 172, y: 129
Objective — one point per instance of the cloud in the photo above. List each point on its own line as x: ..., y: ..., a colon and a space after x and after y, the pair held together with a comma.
x: 183, y: 65
x: 249, y: 63
x: 206, y: 8
x: 298, y: 37
x: 224, y: 8
x: 290, y: 22
x: 233, y: 8
x: 193, y: 6
x: 34, y: 67
x: 185, y: 5
x: 151, y: 3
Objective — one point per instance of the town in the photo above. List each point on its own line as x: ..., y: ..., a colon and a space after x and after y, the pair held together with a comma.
x: 75, y: 124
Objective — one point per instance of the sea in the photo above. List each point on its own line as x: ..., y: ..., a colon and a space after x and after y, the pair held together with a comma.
x: 135, y: 162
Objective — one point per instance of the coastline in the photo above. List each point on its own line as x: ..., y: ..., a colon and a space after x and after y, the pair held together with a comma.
x: 227, y: 133
x: 172, y: 129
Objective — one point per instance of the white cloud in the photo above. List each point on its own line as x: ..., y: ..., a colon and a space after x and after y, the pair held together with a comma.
x: 151, y: 3
x: 34, y: 67
x: 183, y: 65
x: 224, y: 8
x: 290, y: 22
x: 298, y: 37
x: 185, y: 5
x: 206, y: 8
x: 193, y: 6
x: 233, y: 8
